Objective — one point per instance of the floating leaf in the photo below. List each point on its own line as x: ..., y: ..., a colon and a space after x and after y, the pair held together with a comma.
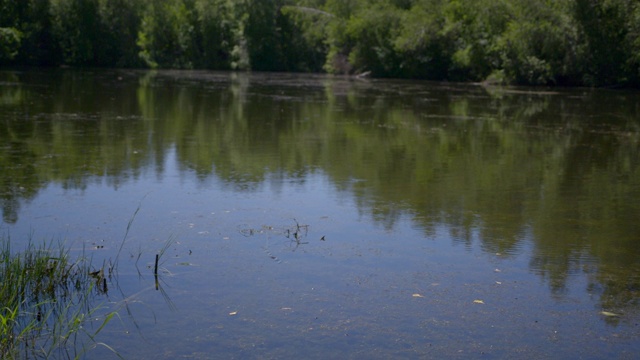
x: 233, y: 313
x: 417, y: 295
x: 478, y: 301
x: 608, y: 313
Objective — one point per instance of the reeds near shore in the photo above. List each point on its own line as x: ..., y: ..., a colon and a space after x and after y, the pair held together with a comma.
x: 47, y: 301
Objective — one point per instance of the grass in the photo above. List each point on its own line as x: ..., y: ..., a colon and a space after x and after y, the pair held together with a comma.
x: 47, y: 302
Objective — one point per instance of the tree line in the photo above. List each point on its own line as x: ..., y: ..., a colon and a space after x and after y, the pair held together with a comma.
x: 534, y: 42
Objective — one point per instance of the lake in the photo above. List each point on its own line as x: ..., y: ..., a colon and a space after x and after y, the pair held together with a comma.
x: 309, y: 216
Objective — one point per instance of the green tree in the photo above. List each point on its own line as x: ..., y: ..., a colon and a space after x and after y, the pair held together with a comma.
x: 216, y: 33
x: 424, y: 45
x: 339, y: 41
x: 262, y: 34
x: 40, y: 45
x: 311, y: 23
x: 167, y: 32
x: 273, y: 36
x: 121, y: 20
x: 303, y: 47
x: 603, y: 29
x: 77, y: 26
x: 372, y: 32
x: 539, y: 44
x: 32, y: 32
x: 477, y: 26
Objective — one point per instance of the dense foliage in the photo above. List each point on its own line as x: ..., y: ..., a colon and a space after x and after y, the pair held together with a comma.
x: 563, y: 42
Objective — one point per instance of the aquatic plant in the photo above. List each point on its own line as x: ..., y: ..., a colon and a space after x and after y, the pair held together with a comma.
x: 47, y: 302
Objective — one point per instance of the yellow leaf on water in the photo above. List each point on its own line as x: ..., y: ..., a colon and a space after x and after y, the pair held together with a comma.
x: 417, y: 295
x: 478, y: 301
x: 608, y: 313
x: 233, y: 313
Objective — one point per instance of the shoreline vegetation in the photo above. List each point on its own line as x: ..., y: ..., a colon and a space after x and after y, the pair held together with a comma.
x: 566, y: 43
x: 49, y: 302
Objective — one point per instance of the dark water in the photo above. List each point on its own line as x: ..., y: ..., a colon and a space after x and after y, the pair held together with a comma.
x: 317, y: 217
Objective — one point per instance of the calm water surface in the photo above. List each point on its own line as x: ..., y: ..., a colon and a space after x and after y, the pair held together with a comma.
x: 317, y: 217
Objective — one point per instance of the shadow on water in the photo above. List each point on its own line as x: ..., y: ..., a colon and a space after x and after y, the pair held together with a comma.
x: 526, y: 200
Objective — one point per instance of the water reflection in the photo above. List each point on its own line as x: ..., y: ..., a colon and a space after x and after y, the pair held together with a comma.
x: 557, y: 173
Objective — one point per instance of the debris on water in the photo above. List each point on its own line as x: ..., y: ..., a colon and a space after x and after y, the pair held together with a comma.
x: 497, y: 270
x: 417, y: 295
x: 478, y: 302
x: 97, y: 274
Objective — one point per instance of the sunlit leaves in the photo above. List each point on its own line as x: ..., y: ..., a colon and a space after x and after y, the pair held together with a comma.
x: 9, y: 43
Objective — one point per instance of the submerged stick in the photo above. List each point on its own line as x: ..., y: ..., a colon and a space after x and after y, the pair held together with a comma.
x: 155, y: 272
x: 155, y: 269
